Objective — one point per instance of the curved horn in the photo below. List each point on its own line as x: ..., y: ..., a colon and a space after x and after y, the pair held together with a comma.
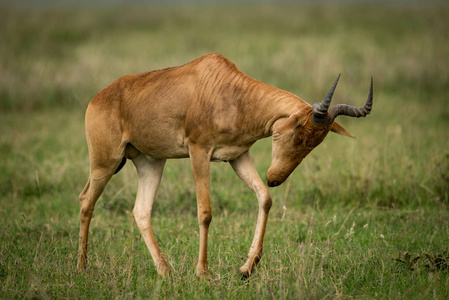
x: 348, y: 110
x: 319, y: 110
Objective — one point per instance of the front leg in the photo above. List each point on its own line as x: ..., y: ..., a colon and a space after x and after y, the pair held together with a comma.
x: 200, y: 160
x: 245, y: 169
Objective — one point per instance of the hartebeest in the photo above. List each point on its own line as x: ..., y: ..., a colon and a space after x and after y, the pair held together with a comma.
x: 207, y: 110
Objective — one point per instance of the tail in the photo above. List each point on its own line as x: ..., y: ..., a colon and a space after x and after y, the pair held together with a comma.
x: 122, y: 163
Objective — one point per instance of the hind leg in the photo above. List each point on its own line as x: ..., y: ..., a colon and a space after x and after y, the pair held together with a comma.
x: 106, y: 151
x: 88, y: 197
x: 102, y: 167
x: 149, y: 176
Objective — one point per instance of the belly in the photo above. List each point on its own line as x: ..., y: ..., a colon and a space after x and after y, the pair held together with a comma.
x: 159, y: 146
x: 228, y: 153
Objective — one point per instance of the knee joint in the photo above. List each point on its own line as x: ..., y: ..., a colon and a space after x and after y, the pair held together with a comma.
x: 266, y: 203
x: 205, y: 217
x: 142, y: 219
x: 82, y: 196
x: 86, y: 212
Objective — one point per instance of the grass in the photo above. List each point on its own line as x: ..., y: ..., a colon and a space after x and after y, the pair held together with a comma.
x: 364, y: 218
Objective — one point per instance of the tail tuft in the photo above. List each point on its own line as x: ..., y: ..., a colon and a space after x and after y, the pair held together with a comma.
x: 122, y: 163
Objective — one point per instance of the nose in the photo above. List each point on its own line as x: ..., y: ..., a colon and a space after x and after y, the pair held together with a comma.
x: 273, y: 183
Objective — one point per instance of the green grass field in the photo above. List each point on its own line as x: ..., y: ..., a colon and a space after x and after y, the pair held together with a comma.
x: 364, y: 218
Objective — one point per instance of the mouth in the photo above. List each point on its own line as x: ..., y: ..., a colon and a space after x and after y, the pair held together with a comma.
x: 273, y: 183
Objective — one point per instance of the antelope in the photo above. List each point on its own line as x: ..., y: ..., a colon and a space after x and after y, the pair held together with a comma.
x: 207, y: 110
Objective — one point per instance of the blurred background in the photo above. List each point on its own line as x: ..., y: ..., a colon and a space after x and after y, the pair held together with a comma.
x: 61, y: 53
x: 57, y: 55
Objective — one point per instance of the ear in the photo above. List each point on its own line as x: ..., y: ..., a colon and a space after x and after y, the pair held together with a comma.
x: 290, y: 124
x: 337, y: 128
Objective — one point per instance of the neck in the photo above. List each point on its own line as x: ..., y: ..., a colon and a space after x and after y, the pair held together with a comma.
x: 269, y: 105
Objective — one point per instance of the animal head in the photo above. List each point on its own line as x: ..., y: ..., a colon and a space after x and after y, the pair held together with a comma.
x: 298, y: 135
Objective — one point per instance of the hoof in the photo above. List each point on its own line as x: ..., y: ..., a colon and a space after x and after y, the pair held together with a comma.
x: 203, y: 276
x: 81, y: 265
x: 164, y: 274
x: 243, y: 277
x: 163, y: 271
x: 245, y: 272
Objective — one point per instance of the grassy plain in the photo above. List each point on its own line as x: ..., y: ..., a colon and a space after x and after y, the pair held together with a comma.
x: 363, y: 218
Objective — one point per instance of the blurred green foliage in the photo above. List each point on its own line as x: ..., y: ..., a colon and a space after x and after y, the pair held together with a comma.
x: 63, y: 57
